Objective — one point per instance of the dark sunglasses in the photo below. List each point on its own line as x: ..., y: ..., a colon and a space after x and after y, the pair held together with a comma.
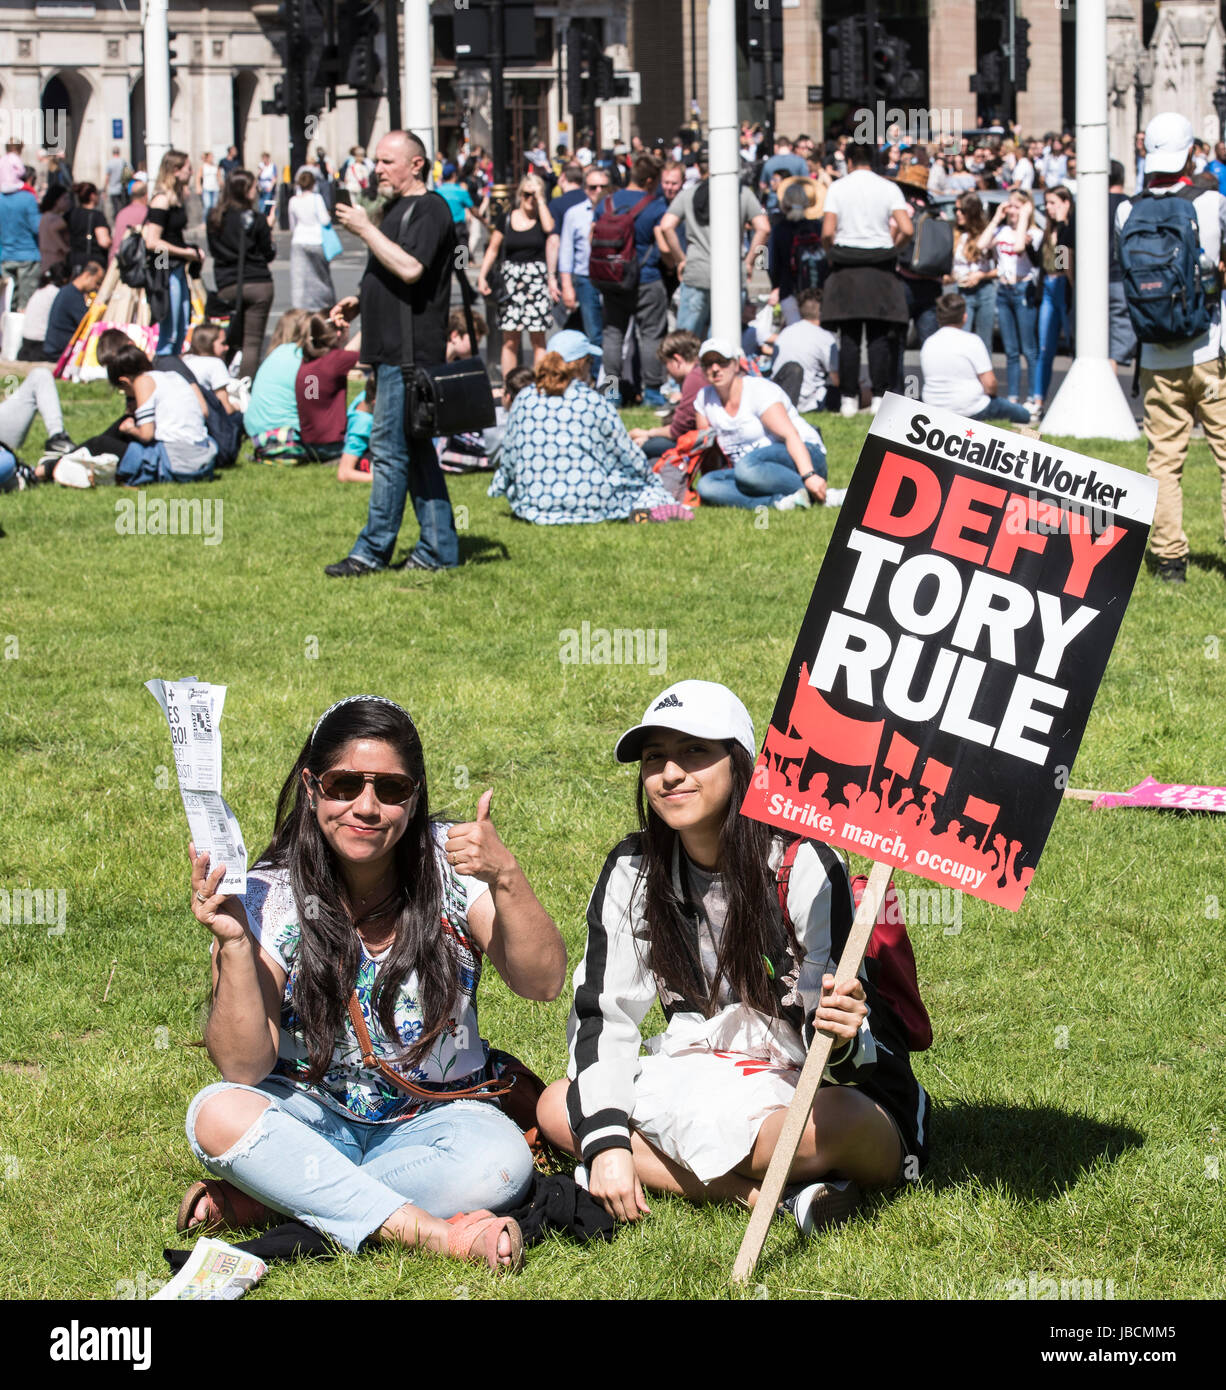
x: 596, y: 187
x: 391, y: 788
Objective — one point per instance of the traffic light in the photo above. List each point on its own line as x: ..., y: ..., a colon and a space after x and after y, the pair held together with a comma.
x: 846, y: 59
x: 758, y: 17
x: 471, y: 26
x: 363, y: 72
x: 989, y: 80
x: 574, y: 70
x: 171, y: 55
x: 1021, y: 49
x: 893, y: 76
x: 605, y: 87
x: 278, y: 105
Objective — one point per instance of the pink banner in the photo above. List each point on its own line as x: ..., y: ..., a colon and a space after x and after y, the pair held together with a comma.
x: 1170, y: 796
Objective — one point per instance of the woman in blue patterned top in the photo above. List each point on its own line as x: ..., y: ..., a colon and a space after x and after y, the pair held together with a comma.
x: 566, y: 456
x: 352, y: 960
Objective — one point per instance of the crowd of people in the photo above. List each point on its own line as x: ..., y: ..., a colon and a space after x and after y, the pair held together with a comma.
x: 597, y: 278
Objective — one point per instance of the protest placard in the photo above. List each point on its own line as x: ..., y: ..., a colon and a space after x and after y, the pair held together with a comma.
x: 934, y: 702
x: 945, y: 669
x: 1161, y: 796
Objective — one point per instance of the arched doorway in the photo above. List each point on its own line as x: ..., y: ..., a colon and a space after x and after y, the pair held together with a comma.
x: 65, y: 101
x: 245, y: 85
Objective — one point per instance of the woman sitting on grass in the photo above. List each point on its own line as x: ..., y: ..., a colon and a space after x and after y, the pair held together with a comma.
x: 349, y: 970
x: 168, y: 428
x: 566, y: 457
x: 271, y: 417
x: 688, y: 912
x: 778, y: 459
x: 321, y: 387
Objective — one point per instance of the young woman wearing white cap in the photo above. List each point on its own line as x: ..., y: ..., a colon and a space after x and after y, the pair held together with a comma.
x: 689, y: 912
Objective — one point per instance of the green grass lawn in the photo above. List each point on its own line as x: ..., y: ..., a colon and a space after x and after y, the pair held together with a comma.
x: 1077, y: 1073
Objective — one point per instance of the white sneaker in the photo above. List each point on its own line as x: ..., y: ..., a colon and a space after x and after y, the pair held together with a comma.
x: 818, y: 1206
x: 73, y: 470
x: 874, y: 405
x: 794, y: 501
x: 835, y: 496
x: 849, y: 407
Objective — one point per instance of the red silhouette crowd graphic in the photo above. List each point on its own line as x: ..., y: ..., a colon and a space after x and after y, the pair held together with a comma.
x: 907, y: 799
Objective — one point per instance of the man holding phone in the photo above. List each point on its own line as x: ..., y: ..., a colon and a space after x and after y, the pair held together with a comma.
x: 412, y: 256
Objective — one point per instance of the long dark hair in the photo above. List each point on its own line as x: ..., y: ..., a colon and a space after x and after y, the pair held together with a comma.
x: 237, y: 192
x: 329, y: 954
x: 752, y: 928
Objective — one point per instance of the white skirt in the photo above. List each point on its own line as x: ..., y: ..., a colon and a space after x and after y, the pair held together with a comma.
x: 708, y: 1084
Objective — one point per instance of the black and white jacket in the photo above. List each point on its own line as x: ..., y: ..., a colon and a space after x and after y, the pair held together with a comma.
x: 615, y: 988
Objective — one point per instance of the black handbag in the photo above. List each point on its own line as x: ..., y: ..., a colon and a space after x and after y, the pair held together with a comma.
x: 448, y: 397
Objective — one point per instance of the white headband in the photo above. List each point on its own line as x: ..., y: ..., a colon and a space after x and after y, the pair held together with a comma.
x: 349, y: 700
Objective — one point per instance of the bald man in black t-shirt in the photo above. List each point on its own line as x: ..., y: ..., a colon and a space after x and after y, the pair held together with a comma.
x: 408, y: 264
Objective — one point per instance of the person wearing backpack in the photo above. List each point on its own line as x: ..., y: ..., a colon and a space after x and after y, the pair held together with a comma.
x: 131, y: 215
x: 736, y: 930
x: 1177, y: 313
x: 692, y: 206
x: 625, y: 267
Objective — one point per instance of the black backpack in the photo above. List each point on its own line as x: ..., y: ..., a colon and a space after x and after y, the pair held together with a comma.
x: 132, y: 259
x: 809, y: 266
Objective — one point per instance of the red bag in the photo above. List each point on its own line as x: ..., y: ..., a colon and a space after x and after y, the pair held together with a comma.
x: 693, y: 454
x: 888, y: 946
x: 614, y: 264
x: 897, y: 981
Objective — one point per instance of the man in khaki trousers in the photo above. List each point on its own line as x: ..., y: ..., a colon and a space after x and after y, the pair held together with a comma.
x: 1182, y: 380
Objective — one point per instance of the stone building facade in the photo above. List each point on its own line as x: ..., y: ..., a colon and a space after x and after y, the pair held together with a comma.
x: 71, y: 73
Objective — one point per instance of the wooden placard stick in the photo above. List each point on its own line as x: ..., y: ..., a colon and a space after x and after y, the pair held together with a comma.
x: 1085, y: 794
x: 810, y: 1079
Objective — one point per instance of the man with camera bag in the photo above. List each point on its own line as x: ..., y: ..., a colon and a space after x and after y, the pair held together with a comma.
x: 412, y: 255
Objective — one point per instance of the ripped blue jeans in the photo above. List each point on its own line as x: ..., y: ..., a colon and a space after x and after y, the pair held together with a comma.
x: 344, y: 1177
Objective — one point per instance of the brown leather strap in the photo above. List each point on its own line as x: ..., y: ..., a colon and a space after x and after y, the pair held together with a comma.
x: 480, y: 1091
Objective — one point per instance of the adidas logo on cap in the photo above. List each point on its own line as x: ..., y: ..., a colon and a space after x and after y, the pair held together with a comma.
x: 668, y: 702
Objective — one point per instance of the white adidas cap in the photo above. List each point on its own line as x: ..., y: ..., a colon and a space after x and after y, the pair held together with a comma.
x: 701, y: 708
x: 1168, y: 138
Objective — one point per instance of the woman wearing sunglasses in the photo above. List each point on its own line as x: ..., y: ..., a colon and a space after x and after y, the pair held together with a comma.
x: 356, y: 949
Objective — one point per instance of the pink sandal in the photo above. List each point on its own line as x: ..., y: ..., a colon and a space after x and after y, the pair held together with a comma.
x: 229, y: 1208
x: 482, y: 1228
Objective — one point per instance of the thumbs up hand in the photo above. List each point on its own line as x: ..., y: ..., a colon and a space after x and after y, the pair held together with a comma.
x: 475, y: 849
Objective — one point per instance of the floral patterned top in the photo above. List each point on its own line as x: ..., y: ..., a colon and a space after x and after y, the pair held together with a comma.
x: 459, y: 1056
x: 568, y: 458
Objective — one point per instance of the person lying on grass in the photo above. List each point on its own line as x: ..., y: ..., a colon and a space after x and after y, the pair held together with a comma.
x: 687, y: 911
x: 362, y: 900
